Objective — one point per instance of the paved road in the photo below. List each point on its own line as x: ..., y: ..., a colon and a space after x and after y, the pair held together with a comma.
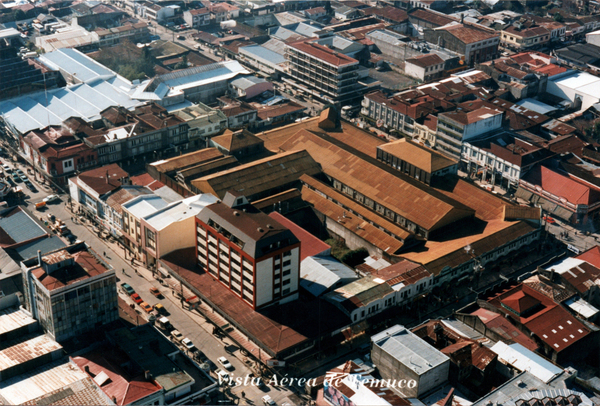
x: 189, y: 323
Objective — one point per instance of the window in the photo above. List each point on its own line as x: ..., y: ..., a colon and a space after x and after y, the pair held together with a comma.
x: 287, y: 263
x: 286, y: 282
x: 286, y: 273
x: 150, y: 239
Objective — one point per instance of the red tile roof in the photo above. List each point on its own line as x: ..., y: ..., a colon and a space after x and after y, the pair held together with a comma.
x: 432, y: 17
x: 591, y: 256
x: 387, y: 13
x: 323, y: 53
x: 471, y: 117
x: 123, y: 387
x: 97, y: 178
x: 85, y: 266
x: 426, y: 60
x: 468, y: 34
x: 146, y: 180
x: 278, y: 328
x: 520, y: 302
x: 561, y: 185
x: 551, y: 323
x: 503, y: 327
x: 309, y: 244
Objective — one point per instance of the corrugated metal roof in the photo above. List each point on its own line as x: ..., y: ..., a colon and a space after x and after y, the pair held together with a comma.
x: 413, y: 352
x: 57, y: 383
x: 319, y: 274
x: 582, y: 307
x: 20, y: 227
x: 262, y: 54
x: 142, y: 206
x: 524, y: 360
x: 12, y: 319
x: 44, y: 245
x: 27, y: 350
x: 181, y: 210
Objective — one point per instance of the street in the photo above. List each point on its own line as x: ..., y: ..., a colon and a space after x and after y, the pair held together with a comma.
x: 191, y: 324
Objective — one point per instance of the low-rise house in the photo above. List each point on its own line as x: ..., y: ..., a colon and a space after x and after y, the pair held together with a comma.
x: 249, y: 86
x: 57, y: 153
x: 476, y: 43
x: 203, y: 122
x: 425, y: 67
x: 91, y: 188
x: 559, y: 334
x: 315, y: 13
x: 520, y: 38
x: 197, y: 18
x: 501, y: 157
x: 223, y: 11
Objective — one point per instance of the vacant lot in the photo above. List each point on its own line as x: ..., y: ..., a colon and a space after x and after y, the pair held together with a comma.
x: 392, y: 80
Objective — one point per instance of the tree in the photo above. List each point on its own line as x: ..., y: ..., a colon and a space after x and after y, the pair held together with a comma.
x: 355, y: 257
x: 558, y: 18
x: 183, y: 64
x: 19, y: 15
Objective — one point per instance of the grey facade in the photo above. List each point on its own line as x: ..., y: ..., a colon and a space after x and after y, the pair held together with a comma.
x: 400, y: 354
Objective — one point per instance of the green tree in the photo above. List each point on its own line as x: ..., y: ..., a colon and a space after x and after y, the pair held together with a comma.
x: 183, y: 64
x: 355, y: 257
x: 558, y: 18
x: 19, y: 15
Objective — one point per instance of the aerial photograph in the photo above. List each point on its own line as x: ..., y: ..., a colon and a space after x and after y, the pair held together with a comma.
x: 300, y: 202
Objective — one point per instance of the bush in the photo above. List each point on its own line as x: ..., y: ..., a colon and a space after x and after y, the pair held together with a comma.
x: 355, y: 257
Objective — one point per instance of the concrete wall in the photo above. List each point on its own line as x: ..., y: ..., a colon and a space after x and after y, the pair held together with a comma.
x: 264, y: 282
x: 482, y: 126
x: 391, y: 368
x: 177, y: 235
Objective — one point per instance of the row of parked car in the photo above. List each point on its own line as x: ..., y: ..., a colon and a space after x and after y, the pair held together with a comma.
x: 13, y: 177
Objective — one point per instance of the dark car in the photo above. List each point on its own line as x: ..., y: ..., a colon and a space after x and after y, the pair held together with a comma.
x: 16, y: 178
x: 30, y: 186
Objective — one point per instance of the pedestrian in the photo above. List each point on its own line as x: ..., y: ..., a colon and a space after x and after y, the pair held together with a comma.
x: 243, y: 394
x: 123, y: 270
x: 104, y: 253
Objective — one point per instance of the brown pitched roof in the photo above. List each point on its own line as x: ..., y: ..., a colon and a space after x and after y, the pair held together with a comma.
x: 234, y: 141
x: 407, y: 197
x: 418, y: 155
x: 97, y: 179
x: 468, y: 34
x: 432, y: 17
x: 426, y: 60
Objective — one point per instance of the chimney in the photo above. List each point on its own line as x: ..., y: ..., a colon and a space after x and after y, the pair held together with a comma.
x: 87, y: 369
x: 462, y: 18
x: 106, y: 177
x: 148, y: 375
x: 39, y: 257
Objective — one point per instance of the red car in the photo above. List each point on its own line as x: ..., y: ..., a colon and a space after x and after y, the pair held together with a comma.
x: 136, y: 298
x: 549, y: 220
x: 155, y: 292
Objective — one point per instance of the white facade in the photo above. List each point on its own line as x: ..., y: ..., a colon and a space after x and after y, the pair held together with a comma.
x: 473, y: 155
x: 481, y: 126
x: 267, y: 276
x: 593, y: 38
x: 580, y: 88
x: 421, y: 72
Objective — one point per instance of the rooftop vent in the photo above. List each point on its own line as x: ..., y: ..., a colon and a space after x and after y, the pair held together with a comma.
x: 236, y: 213
x: 269, y: 226
x: 260, y: 230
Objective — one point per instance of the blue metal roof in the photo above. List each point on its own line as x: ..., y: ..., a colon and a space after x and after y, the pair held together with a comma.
x: 44, y: 245
x: 20, y: 227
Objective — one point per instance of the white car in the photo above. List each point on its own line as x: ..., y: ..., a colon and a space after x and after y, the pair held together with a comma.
x: 267, y: 400
x: 226, y: 364
x: 51, y: 198
x: 188, y: 344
